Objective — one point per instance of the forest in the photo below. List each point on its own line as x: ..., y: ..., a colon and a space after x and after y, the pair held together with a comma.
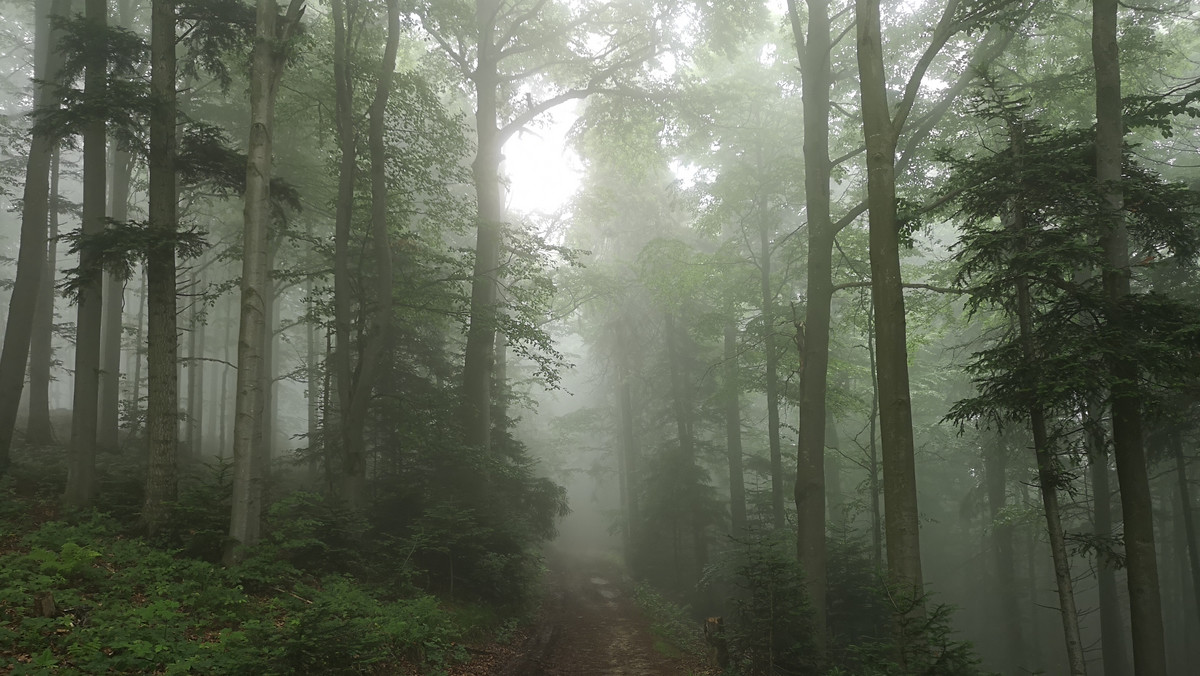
x: 600, y: 337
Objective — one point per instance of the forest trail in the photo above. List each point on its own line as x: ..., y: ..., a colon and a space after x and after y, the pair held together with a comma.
x: 590, y: 626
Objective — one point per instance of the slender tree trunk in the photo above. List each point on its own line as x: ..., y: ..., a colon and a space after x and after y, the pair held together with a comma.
x: 629, y: 451
x: 312, y: 371
x: 162, y: 341
x: 995, y: 461
x: 478, y: 358
x: 135, y: 392
x: 352, y: 443
x: 32, y: 254
x: 1189, y: 523
x: 40, y: 431
x: 111, y: 328
x: 835, y: 496
x: 733, y: 435
x: 500, y: 391
x: 224, y: 405
x: 1048, y: 484
x: 201, y: 367
x: 895, y: 406
x: 1047, y: 467
x: 381, y: 320
x: 270, y: 40
x: 814, y: 357
x: 193, y: 365
x: 772, y: 370
x: 1112, y: 629
x: 81, y: 458
x: 681, y: 388
x: 1145, y: 605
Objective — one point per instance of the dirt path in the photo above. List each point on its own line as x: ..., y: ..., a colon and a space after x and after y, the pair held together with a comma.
x: 590, y: 626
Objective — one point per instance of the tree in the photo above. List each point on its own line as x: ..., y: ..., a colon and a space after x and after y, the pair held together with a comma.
x: 1145, y: 605
x: 34, y: 212
x: 271, y: 41
x: 355, y: 383
x: 162, y: 422
x: 81, y: 459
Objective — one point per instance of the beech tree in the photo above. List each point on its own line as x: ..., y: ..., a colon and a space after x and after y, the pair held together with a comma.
x: 1145, y: 605
x: 35, y: 206
x: 273, y: 34
x: 84, y: 412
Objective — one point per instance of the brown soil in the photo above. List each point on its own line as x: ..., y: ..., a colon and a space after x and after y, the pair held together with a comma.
x: 590, y: 626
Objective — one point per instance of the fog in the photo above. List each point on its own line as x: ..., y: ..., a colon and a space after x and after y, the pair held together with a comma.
x: 650, y: 338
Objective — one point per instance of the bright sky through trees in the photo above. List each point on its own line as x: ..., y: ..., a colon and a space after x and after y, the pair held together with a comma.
x: 543, y: 170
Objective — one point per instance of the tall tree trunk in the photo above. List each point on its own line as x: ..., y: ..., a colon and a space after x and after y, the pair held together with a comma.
x: 222, y: 442
x: 111, y: 328
x: 814, y: 359
x: 733, y: 435
x: 680, y: 395
x: 196, y: 366
x: 1145, y: 605
x: 895, y: 406
x: 1112, y: 629
x: 40, y: 431
x: 1189, y: 523
x: 479, y: 357
x: 629, y: 451
x: 81, y: 458
x: 835, y: 495
x: 381, y: 318
x: 162, y: 341
x: 995, y: 461
x: 772, y: 368
x: 272, y: 34
x: 873, y: 453
x: 500, y: 391
x: 139, y: 334
x: 352, y: 443
x: 32, y: 254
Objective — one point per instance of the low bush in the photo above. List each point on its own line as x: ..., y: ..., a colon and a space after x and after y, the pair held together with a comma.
x: 82, y: 599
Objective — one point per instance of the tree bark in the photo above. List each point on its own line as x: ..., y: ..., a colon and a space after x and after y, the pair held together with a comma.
x: 162, y: 341
x: 1189, y: 523
x: 272, y: 34
x: 814, y: 358
x: 895, y: 406
x: 40, y: 431
x: 479, y: 355
x: 772, y: 369
x: 733, y: 435
x: 1145, y: 605
x: 111, y: 328
x: 81, y: 458
x: 995, y: 470
x: 1112, y: 629
x: 873, y: 453
x: 32, y: 253
x: 680, y: 389
x: 629, y: 452
x: 135, y: 392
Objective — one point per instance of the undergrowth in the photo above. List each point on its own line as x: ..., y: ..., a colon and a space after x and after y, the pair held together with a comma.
x: 84, y: 597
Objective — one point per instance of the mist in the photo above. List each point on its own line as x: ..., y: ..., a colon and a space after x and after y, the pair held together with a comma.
x: 535, y: 337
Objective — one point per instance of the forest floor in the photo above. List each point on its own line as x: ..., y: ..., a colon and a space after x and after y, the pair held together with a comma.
x: 588, y: 625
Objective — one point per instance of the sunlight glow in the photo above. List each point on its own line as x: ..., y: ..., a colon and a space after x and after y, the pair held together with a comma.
x: 543, y: 171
